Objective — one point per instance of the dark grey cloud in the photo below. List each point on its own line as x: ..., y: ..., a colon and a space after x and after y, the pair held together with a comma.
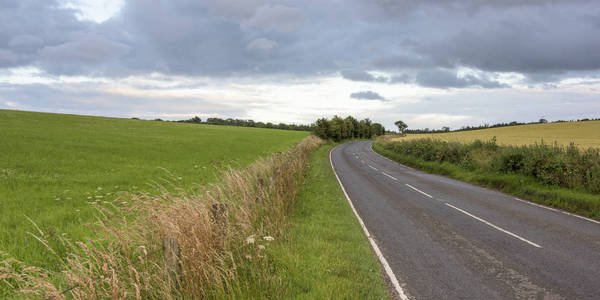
x: 367, y: 95
x: 448, y: 79
x: 278, y: 18
x: 360, y: 75
x: 84, y: 51
x: 27, y: 26
x: 545, y: 40
x: 401, y: 78
x: 25, y: 43
x: 384, y: 9
x: 403, y: 62
x: 521, y: 47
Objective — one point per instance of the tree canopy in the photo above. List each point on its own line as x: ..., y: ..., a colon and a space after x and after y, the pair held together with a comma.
x: 401, y: 125
x: 339, y: 129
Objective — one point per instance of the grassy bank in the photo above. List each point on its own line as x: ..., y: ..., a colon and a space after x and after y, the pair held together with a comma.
x: 325, y: 254
x: 178, y: 244
x: 55, y: 169
x: 549, y: 175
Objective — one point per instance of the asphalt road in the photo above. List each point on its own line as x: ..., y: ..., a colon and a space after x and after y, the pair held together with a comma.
x: 446, y: 239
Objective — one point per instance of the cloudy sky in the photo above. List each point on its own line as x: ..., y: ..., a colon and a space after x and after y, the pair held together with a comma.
x: 431, y: 63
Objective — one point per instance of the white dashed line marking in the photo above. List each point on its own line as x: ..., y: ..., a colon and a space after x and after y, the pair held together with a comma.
x: 494, y: 226
x: 419, y: 191
x: 388, y: 175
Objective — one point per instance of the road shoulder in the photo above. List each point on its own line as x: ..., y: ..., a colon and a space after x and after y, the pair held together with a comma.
x: 325, y: 254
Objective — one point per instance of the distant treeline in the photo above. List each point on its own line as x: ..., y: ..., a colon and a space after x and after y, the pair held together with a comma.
x: 246, y: 123
x: 339, y: 129
x: 486, y: 126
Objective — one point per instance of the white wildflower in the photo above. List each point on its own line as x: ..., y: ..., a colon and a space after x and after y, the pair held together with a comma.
x: 250, y: 240
x: 261, y: 247
x: 268, y: 238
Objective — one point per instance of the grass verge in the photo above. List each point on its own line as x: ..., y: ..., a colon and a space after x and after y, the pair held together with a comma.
x: 518, y: 185
x: 325, y: 254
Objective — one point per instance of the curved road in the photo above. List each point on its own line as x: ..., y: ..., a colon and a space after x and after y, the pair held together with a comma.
x: 444, y: 238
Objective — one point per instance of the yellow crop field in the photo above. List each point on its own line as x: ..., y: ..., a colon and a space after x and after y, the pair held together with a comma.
x: 583, y: 134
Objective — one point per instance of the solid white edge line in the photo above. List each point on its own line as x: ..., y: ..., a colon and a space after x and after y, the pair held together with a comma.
x: 418, y: 190
x: 494, y: 226
x: 373, y: 168
x: 557, y: 210
x: 388, y: 175
x: 382, y: 260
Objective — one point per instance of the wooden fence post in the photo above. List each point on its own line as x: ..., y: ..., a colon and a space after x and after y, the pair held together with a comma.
x: 173, y: 260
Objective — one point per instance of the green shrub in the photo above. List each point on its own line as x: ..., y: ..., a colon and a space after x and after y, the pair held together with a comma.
x: 592, y: 177
x: 510, y: 160
x: 552, y: 165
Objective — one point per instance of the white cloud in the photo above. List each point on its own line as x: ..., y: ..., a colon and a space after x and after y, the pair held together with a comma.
x: 11, y: 104
x: 93, y: 10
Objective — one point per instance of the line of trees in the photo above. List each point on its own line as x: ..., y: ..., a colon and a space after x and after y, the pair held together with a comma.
x: 485, y: 126
x: 247, y: 123
x: 339, y: 129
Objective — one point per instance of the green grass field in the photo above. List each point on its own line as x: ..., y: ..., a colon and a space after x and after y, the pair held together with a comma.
x: 53, y: 166
x: 583, y: 134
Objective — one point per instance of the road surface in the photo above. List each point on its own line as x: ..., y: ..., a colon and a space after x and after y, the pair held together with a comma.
x: 446, y: 239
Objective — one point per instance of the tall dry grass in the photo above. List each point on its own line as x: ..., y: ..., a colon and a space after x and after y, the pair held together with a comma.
x: 178, y: 245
